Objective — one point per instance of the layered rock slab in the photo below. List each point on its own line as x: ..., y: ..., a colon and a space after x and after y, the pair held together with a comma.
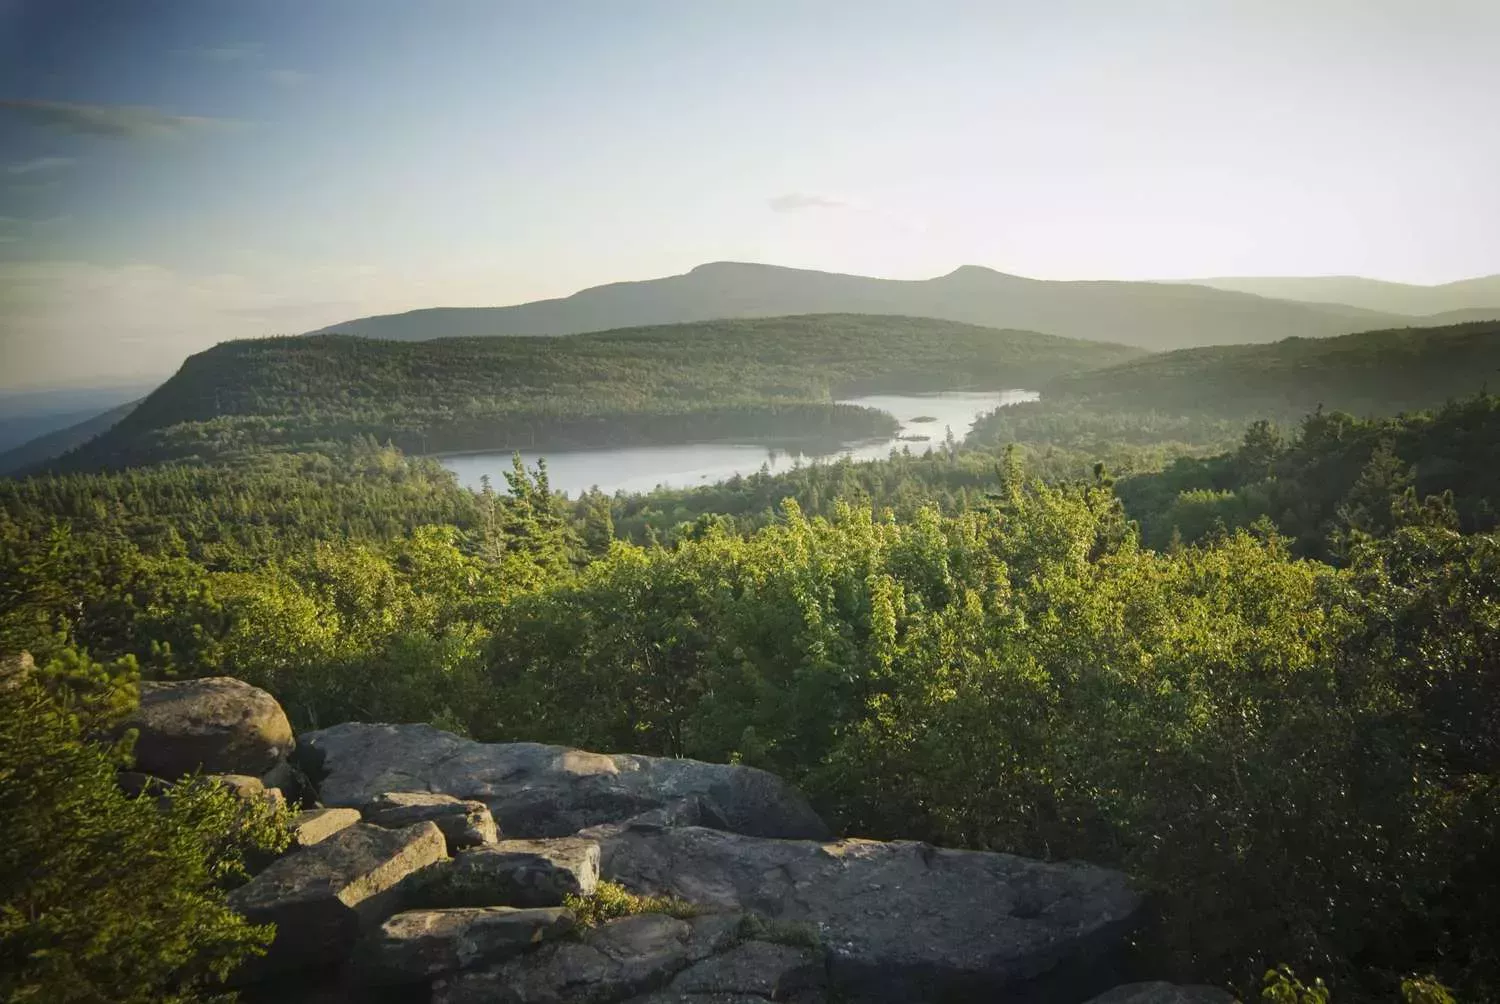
x: 313, y: 826
x: 465, y: 823
x: 536, y: 790
x: 322, y: 897
x: 416, y: 945
x: 611, y: 963
x: 527, y: 873
x: 753, y: 972
x: 899, y: 921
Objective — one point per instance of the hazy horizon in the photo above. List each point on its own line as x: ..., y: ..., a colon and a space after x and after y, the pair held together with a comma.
x: 175, y: 174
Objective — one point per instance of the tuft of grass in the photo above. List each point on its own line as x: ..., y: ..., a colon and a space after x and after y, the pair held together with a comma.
x: 611, y: 901
x: 793, y: 933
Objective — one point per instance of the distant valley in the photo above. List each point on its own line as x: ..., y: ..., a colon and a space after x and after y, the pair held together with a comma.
x: 1216, y: 322
x: 26, y: 414
x: 762, y: 380
x: 755, y: 380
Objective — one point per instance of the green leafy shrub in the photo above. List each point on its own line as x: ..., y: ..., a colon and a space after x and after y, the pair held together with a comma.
x: 1281, y: 986
x: 794, y: 934
x: 610, y: 901
x: 107, y: 899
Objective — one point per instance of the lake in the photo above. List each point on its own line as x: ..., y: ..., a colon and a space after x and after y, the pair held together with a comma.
x: 642, y: 468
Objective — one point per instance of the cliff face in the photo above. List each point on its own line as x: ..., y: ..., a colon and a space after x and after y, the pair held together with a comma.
x: 429, y: 867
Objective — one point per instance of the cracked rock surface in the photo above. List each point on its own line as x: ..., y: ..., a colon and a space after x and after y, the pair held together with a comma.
x: 900, y: 921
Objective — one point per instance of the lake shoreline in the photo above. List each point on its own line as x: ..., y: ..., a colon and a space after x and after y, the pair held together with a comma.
x: 935, y: 417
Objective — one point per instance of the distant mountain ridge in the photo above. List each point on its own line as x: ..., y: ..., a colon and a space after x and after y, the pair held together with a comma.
x: 27, y: 414
x: 1148, y: 315
x: 1478, y: 299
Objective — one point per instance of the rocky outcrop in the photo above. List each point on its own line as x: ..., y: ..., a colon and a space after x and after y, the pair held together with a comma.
x: 1164, y: 993
x: 322, y: 897
x: 371, y: 899
x: 415, y: 946
x: 217, y: 725
x: 611, y: 963
x: 313, y: 826
x: 464, y: 823
x: 528, y: 873
x: 900, y: 921
x: 549, y: 791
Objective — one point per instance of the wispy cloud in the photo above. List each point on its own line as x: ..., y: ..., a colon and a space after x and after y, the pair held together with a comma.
x: 233, y: 52
x: 14, y: 229
x: 115, y: 121
x: 286, y: 78
x: 15, y: 221
x: 796, y: 202
x: 39, y: 165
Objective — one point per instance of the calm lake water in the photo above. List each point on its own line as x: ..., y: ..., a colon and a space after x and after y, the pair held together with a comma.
x: 642, y: 468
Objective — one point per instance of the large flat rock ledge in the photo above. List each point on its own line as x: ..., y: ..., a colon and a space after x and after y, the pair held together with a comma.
x: 535, y: 790
x: 900, y: 921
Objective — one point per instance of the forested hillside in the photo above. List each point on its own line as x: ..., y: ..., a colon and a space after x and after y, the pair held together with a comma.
x: 1374, y: 372
x: 763, y: 379
x: 1333, y: 479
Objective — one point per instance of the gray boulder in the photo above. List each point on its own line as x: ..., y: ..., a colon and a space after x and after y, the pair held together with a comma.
x: 288, y: 778
x: 900, y: 921
x: 613, y: 962
x: 241, y: 786
x: 415, y: 946
x: 752, y: 972
x: 519, y: 874
x: 218, y: 725
x: 1164, y: 993
x: 535, y: 790
x: 529, y: 873
x: 313, y: 826
x: 322, y: 897
x: 464, y: 823
x: 247, y: 788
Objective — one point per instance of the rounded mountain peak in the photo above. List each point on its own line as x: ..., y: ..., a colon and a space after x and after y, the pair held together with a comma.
x: 976, y: 272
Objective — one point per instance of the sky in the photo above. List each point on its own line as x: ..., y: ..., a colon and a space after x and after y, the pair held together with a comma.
x: 174, y: 173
